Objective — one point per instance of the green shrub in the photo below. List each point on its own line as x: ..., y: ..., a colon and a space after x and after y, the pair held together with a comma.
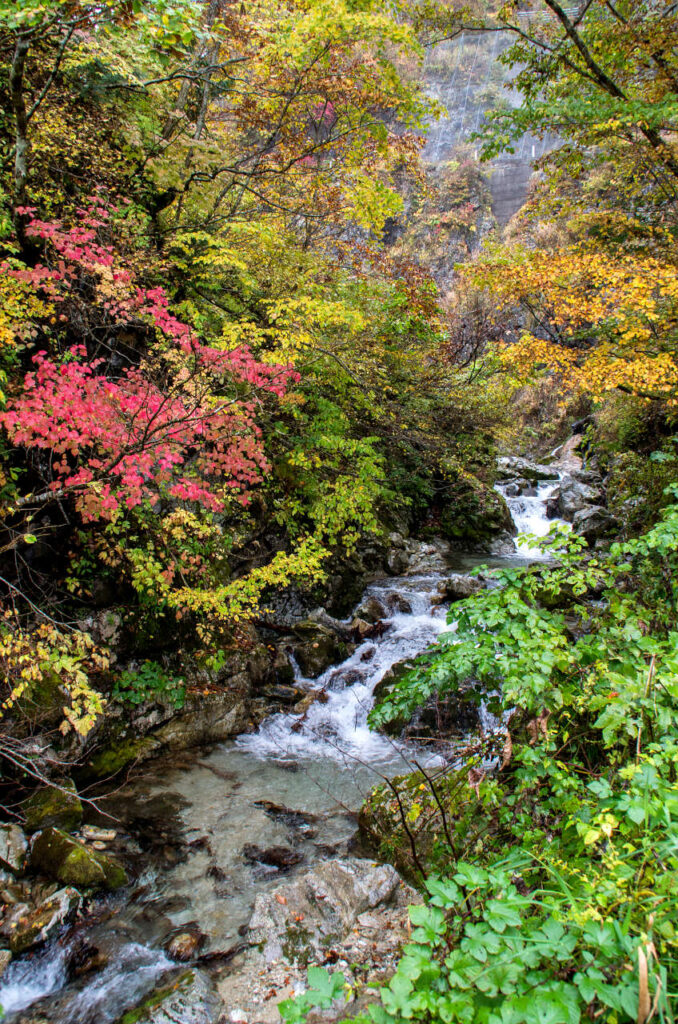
x: 149, y: 682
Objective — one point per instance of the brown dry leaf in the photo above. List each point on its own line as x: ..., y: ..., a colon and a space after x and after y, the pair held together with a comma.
x: 281, y: 899
x: 475, y: 777
x: 507, y: 752
x: 644, y: 1004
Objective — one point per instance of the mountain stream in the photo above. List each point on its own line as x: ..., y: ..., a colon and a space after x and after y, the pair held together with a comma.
x: 297, y: 782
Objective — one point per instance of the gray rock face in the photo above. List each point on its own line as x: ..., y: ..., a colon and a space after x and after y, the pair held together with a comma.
x: 593, y: 523
x: 502, y: 545
x: 459, y: 586
x: 574, y: 494
x: 38, y: 925
x: 187, y: 998
x: 319, y: 908
x: 511, y: 466
x: 356, y: 907
x: 13, y: 848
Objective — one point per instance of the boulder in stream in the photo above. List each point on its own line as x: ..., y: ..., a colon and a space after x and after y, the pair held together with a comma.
x: 351, y: 914
x: 457, y: 587
x: 40, y: 924
x: 60, y: 856
x: 319, y: 908
x: 281, y: 857
x: 594, y: 523
x: 511, y: 466
x: 572, y: 496
x: 317, y: 648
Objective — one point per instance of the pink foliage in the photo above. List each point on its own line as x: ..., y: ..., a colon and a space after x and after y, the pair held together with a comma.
x: 120, y: 442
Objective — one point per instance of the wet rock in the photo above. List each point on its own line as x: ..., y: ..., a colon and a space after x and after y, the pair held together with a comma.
x: 295, y: 819
x: 13, y: 848
x: 280, y: 857
x: 282, y: 669
x: 366, y: 952
x: 397, y: 562
x: 502, y: 545
x: 185, y: 945
x: 86, y: 958
x: 284, y: 694
x: 12, y: 915
x: 52, y: 807
x: 568, y: 458
x: 103, y: 835
x: 204, y: 719
x: 315, y: 696
x: 317, y: 648
x: 186, y: 998
x: 594, y: 523
x: 319, y: 908
x: 474, y: 515
x: 426, y: 556
x: 59, y: 856
x: 361, y: 629
x: 371, y: 610
x: 398, y: 604
x: 458, y: 587
x: 511, y: 466
x: 37, y: 926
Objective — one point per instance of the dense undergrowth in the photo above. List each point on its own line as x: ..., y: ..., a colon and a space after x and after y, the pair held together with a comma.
x: 550, y: 859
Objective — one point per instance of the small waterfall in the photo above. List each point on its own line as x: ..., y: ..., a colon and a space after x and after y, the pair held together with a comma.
x: 335, y: 726
x: 131, y: 972
x: 528, y: 512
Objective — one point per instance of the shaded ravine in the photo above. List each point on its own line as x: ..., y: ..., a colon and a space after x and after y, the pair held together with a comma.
x: 203, y: 821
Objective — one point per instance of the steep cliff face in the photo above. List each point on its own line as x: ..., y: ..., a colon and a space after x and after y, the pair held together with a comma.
x: 466, y: 78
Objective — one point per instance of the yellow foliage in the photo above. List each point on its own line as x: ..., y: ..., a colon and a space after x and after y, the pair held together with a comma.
x: 610, y: 323
x: 31, y: 660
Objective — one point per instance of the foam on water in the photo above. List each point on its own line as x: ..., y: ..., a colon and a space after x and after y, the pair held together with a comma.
x: 33, y: 977
x: 336, y: 727
x: 529, y: 515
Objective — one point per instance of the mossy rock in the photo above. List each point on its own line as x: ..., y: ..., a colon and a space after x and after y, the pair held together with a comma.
x: 118, y: 755
x: 51, y: 807
x: 61, y: 857
x: 42, y: 923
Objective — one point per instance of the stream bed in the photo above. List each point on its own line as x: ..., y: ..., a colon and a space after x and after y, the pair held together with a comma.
x: 295, y: 784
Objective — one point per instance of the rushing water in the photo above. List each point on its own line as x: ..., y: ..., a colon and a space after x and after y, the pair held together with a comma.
x: 203, y: 813
x: 528, y: 514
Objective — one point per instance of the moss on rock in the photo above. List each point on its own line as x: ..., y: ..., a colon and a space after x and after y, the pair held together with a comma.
x: 61, y: 857
x: 51, y: 807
